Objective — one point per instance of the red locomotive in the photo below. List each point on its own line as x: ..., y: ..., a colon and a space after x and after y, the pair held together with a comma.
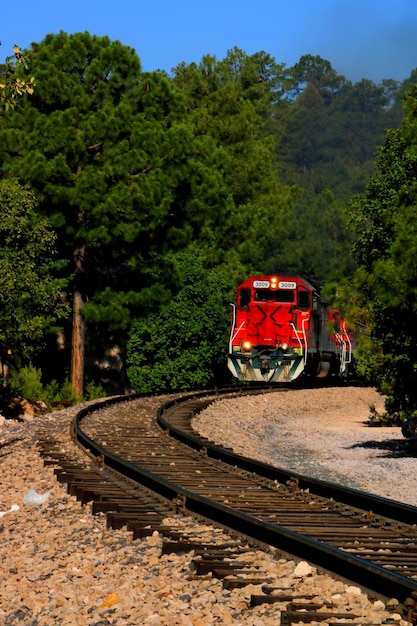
x: 281, y: 328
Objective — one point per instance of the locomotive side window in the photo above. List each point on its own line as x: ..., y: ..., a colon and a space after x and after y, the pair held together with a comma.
x: 303, y: 299
x: 280, y: 295
x: 244, y: 297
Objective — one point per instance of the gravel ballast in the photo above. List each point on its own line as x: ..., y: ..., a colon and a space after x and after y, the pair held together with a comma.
x: 59, y: 565
x: 323, y: 433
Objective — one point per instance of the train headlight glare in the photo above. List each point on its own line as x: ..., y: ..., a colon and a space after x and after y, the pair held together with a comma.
x: 247, y: 346
x: 284, y: 347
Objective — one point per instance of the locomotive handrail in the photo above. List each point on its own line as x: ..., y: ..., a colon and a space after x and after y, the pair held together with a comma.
x: 348, y: 341
x: 240, y: 327
x: 303, y: 324
x: 344, y: 340
x: 296, y: 335
x: 232, y: 327
x: 343, y: 355
x: 233, y: 335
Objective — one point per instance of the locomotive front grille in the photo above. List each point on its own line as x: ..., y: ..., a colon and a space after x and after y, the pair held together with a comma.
x: 265, y: 364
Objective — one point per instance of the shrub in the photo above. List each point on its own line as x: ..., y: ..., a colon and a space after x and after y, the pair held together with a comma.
x: 27, y: 383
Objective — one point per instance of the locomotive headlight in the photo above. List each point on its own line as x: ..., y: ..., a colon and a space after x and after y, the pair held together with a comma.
x: 247, y: 346
x: 284, y: 347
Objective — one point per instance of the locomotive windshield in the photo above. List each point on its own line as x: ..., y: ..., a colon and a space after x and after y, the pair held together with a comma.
x: 299, y: 296
x: 280, y: 295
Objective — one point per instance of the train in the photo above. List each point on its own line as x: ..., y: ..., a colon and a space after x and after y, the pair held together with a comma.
x: 282, y: 329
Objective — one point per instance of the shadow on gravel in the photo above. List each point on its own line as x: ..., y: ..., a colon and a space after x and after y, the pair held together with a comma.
x: 6, y: 444
x: 10, y: 442
x: 397, y: 448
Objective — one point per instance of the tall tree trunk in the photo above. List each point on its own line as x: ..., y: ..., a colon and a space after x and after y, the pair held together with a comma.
x: 78, y: 327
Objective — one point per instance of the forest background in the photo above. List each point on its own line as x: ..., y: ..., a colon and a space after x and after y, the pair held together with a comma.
x: 133, y: 203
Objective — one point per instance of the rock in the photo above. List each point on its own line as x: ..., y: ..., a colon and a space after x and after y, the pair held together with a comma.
x: 60, y: 565
x: 303, y: 569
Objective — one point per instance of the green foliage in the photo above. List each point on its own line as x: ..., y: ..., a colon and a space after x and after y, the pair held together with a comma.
x: 248, y: 160
x: 30, y: 293
x: 326, y: 142
x: 328, y: 136
x: 12, y: 88
x: 183, y: 346
x: 93, y: 391
x: 383, y: 419
x: 120, y: 171
x: 63, y: 396
x: 233, y: 102
x: 321, y: 237
x: 384, y: 291
x: 26, y: 382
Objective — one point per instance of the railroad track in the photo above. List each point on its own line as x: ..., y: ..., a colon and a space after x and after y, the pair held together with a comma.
x: 143, y: 469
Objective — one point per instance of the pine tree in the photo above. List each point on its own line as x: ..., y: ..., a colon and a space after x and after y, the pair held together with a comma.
x: 384, y: 292
x: 118, y: 172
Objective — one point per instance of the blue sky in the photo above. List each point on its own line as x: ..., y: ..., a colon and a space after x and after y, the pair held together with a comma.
x: 372, y: 39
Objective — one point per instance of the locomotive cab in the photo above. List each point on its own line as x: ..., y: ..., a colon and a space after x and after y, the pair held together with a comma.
x: 269, y: 323
x: 278, y: 330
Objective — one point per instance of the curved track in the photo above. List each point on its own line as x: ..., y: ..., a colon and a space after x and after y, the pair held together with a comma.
x: 365, y: 539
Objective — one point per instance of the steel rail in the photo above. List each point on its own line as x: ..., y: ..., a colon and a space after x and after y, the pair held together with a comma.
x: 351, y: 567
x: 376, y: 505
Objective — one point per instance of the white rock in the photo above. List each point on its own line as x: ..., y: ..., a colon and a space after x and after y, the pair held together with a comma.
x: 303, y: 569
x: 379, y: 605
x: 353, y: 590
